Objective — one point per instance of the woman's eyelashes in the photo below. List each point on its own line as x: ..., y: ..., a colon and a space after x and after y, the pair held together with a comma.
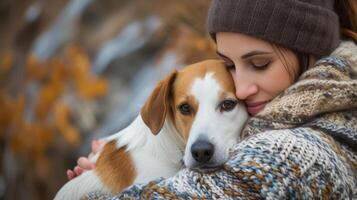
x: 229, y: 66
x: 259, y: 64
x: 255, y: 62
x: 256, y: 65
x: 228, y: 63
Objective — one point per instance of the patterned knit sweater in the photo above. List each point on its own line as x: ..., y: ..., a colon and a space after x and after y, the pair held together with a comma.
x: 303, y: 145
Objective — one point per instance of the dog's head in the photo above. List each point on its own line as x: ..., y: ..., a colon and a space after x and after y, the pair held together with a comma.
x: 200, y: 101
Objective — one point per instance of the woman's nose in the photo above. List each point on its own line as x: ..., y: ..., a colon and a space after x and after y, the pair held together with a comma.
x: 244, y: 86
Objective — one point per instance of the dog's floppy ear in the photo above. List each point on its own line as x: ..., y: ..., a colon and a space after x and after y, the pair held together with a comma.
x: 156, y: 107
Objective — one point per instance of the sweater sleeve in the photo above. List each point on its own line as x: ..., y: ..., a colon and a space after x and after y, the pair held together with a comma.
x: 283, y: 164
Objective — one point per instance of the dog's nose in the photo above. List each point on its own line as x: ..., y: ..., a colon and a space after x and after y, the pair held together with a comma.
x: 202, y: 151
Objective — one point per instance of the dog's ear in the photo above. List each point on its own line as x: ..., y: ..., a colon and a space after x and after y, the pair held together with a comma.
x: 156, y: 107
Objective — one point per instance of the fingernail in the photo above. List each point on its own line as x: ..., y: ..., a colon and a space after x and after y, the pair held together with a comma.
x: 69, y: 174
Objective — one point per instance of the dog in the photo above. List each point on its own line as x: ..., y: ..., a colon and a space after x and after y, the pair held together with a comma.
x: 191, y: 117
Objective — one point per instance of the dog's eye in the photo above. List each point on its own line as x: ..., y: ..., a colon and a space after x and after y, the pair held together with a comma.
x: 185, y: 109
x: 227, y: 105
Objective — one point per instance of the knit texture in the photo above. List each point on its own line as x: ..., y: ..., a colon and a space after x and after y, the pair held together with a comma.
x: 307, y: 26
x: 301, y: 146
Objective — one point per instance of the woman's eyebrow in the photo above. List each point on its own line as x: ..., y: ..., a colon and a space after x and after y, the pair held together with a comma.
x: 221, y: 55
x: 254, y: 53
x: 247, y: 55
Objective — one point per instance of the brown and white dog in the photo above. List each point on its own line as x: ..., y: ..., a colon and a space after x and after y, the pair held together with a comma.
x: 192, y: 115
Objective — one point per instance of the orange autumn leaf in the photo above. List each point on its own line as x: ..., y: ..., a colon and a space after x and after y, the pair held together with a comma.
x: 5, y: 113
x: 47, y: 96
x: 6, y: 62
x: 71, y: 135
x: 42, y: 166
x: 53, y: 88
x: 79, y: 75
x: 17, y: 108
x: 86, y: 84
x: 21, y: 140
x: 78, y: 62
x: 42, y: 136
x: 78, y: 58
x: 18, y: 144
x: 61, y: 121
x: 31, y: 138
x: 45, y: 133
x: 50, y: 116
x: 35, y: 69
x: 58, y: 70
x: 93, y: 89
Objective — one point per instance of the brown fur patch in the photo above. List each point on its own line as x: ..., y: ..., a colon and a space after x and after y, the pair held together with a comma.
x: 115, y: 168
x: 183, y: 123
x: 157, y: 106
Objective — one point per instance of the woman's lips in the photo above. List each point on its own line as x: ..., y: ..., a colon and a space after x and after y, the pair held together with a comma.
x: 255, y: 107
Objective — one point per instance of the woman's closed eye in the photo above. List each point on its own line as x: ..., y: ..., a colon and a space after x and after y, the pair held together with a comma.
x: 229, y: 65
x: 227, y: 62
x: 259, y: 64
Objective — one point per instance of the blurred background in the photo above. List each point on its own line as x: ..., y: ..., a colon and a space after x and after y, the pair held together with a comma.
x: 75, y: 70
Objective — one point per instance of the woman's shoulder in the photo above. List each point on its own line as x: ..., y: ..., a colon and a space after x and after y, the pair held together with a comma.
x: 347, y: 50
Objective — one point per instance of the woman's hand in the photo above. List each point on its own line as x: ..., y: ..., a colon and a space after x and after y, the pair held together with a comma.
x: 85, y: 163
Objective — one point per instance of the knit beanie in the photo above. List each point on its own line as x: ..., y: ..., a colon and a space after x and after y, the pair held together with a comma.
x: 308, y: 26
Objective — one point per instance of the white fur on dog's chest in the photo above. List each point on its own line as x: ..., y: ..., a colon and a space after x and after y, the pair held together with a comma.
x: 158, y: 156
x: 151, y: 168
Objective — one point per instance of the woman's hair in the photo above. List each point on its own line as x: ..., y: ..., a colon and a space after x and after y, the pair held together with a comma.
x: 304, y: 61
x: 347, y: 13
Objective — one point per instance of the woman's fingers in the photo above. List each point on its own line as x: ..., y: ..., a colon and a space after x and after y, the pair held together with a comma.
x: 78, y: 170
x: 97, y: 145
x: 70, y: 174
x: 85, y: 164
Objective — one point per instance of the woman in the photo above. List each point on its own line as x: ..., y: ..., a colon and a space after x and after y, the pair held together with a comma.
x: 301, y: 141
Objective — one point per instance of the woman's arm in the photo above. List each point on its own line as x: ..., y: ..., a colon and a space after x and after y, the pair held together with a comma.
x: 283, y: 164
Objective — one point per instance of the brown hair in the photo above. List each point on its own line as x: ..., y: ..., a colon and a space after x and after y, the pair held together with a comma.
x: 303, y: 60
x: 347, y: 12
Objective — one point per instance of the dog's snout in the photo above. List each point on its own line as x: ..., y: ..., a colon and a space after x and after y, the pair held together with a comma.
x: 202, y: 151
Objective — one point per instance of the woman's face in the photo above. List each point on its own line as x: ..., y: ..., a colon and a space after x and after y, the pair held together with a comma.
x: 260, y: 71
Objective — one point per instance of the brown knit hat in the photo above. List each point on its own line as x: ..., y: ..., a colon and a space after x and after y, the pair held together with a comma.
x: 308, y: 26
